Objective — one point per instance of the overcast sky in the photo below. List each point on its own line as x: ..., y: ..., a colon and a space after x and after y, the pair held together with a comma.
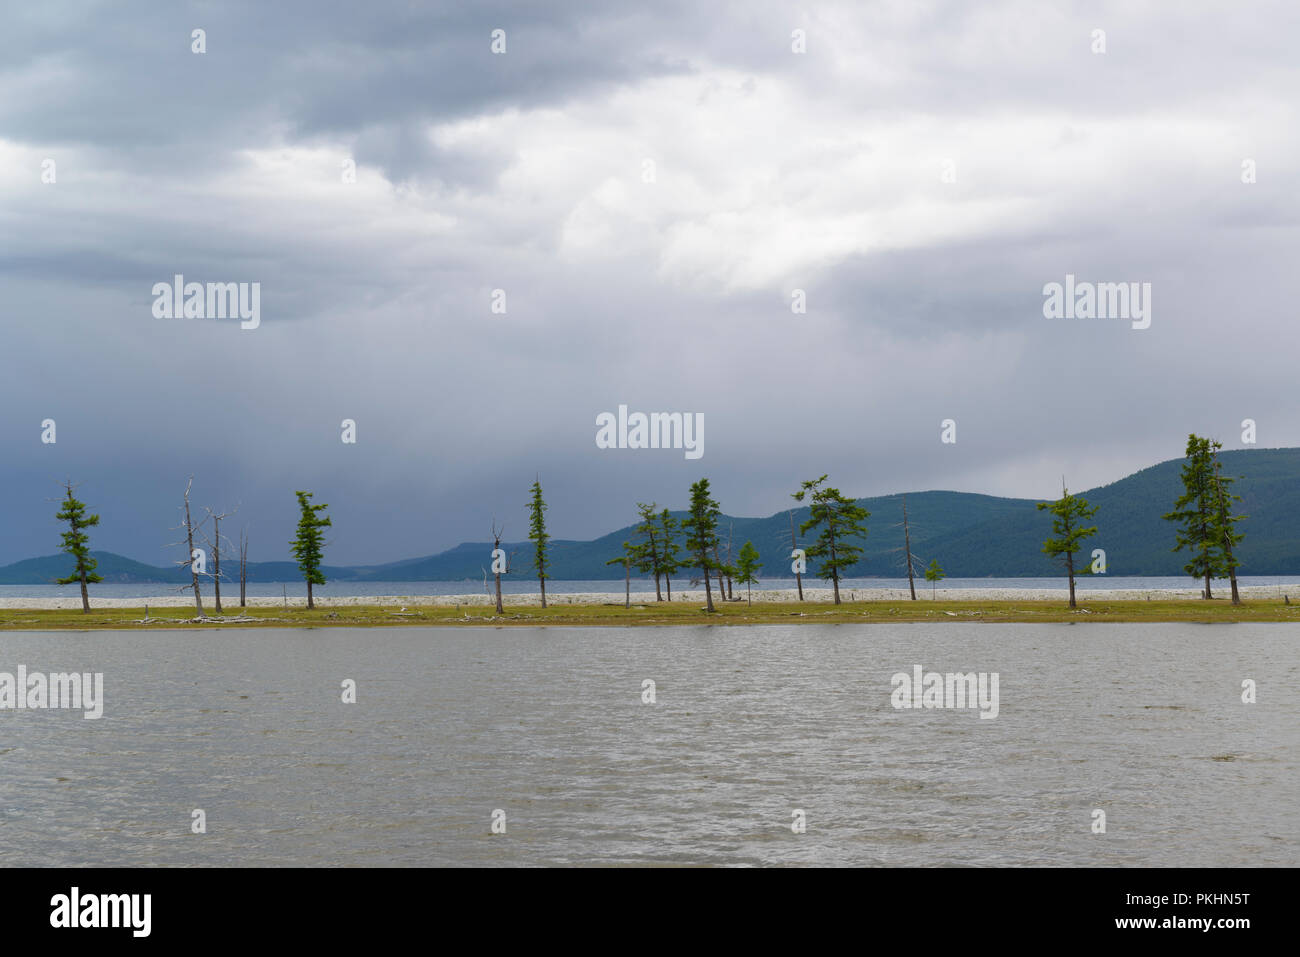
x: 526, y: 171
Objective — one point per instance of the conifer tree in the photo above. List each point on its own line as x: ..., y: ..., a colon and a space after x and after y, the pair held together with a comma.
x: 840, y: 520
x: 701, y: 527
x: 308, y: 547
x: 627, y: 560
x: 537, y: 533
x: 670, y: 550
x: 934, y: 574
x: 77, y: 544
x: 1226, y: 521
x: 648, y: 552
x: 747, y: 567
x: 1069, y: 512
x: 1196, y: 513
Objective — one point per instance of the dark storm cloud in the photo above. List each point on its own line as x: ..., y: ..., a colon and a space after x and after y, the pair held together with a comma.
x: 524, y: 172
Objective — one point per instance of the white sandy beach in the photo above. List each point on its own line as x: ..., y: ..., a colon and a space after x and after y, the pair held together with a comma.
x: 231, y: 602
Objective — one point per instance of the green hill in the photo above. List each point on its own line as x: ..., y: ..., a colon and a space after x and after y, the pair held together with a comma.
x: 116, y: 568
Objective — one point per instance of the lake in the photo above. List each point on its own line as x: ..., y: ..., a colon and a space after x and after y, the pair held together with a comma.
x: 749, y: 725
x: 518, y: 585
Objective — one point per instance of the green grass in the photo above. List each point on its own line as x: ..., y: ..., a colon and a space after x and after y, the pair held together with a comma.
x: 653, y: 613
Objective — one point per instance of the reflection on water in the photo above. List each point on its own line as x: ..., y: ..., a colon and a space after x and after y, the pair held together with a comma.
x: 548, y: 725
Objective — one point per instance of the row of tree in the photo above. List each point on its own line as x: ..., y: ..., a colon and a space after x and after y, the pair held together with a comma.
x: 1204, y: 523
x: 1203, y: 516
x: 662, y: 546
x: 658, y: 548
x: 307, y: 547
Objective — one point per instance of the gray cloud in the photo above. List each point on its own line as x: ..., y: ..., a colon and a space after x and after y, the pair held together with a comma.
x: 525, y: 172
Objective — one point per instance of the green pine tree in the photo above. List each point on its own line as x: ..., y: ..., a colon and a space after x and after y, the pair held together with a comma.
x: 840, y: 520
x: 934, y: 574
x: 1069, y: 512
x: 670, y: 551
x: 308, y: 547
x: 701, y: 527
x: 648, y: 552
x: 747, y: 567
x: 537, y: 532
x: 77, y: 544
x: 627, y: 560
x: 1225, y: 521
x: 1196, y: 515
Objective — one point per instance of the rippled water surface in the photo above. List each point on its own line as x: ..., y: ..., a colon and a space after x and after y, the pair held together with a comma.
x: 548, y: 725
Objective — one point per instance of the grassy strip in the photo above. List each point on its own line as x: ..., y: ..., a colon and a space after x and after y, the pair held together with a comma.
x: 652, y: 613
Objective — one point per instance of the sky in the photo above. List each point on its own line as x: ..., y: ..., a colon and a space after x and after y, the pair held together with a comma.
x: 651, y: 191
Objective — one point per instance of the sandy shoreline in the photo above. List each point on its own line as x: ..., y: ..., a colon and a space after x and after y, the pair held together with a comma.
x: 820, y: 595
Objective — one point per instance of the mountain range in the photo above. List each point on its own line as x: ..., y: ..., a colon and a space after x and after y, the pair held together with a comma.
x: 971, y: 536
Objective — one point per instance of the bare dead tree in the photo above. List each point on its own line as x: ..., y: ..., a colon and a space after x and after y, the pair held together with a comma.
x: 215, y: 547
x: 496, y: 547
x: 798, y: 576
x: 722, y: 566
x: 907, y: 550
x: 243, y: 568
x: 910, y: 560
x: 191, y: 557
x: 731, y: 531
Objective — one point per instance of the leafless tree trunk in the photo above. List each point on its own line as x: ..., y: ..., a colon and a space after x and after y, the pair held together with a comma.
x: 216, y: 564
x: 717, y: 560
x: 496, y: 546
x: 189, y: 557
x: 798, y: 577
x: 731, y: 531
x: 907, y: 549
x: 216, y: 546
x: 243, y: 569
x: 189, y: 541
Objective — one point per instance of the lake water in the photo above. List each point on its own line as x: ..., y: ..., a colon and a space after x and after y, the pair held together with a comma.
x: 548, y: 725
x: 528, y: 586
